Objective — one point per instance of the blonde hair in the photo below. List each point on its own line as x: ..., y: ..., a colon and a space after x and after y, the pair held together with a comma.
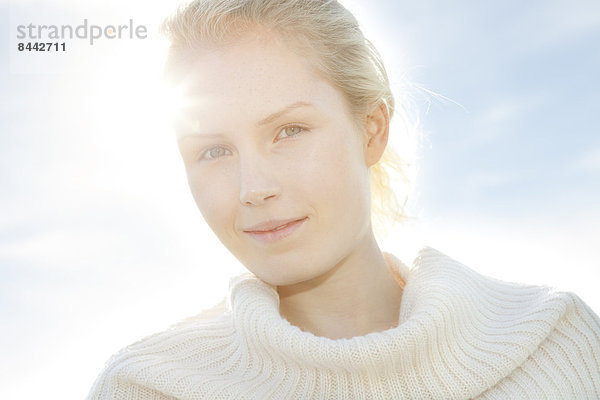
x: 329, y: 31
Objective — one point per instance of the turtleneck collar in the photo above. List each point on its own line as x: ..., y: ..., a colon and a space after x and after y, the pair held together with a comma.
x: 445, y: 307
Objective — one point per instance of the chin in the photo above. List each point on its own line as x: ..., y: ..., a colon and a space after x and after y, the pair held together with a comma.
x: 286, y: 274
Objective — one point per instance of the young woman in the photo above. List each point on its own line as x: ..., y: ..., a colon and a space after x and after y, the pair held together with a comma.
x: 282, y: 137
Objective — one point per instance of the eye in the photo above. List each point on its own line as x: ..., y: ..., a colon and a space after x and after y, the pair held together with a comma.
x: 216, y: 152
x: 289, y: 131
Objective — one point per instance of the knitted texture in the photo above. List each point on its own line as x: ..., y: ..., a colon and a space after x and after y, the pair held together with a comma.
x: 460, y: 336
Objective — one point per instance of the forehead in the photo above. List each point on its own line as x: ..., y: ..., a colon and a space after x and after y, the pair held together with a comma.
x: 250, y: 63
x: 255, y: 69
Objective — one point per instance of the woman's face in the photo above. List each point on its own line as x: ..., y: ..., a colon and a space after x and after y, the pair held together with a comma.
x: 274, y: 161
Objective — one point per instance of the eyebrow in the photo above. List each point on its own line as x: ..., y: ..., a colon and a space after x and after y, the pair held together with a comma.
x: 283, y: 111
x: 264, y: 121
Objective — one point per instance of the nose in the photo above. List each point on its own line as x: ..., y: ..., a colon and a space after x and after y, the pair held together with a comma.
x: 257, y: 183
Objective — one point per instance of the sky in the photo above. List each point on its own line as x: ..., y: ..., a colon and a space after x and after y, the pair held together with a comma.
x: 101, y: 243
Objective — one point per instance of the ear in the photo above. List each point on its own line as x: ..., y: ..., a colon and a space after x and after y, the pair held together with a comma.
x: 377, y: 130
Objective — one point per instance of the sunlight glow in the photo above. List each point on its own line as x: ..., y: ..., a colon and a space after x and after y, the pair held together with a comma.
x: 102, y: 243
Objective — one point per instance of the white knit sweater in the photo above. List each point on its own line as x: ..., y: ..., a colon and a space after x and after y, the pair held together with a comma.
x: 460, y: 335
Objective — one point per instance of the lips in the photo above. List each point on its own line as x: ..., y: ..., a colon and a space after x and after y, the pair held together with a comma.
x: 274, y: 230
x: 271, y: 225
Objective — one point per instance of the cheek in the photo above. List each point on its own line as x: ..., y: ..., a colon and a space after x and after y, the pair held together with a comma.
x: 334, y: 173
x: 215, y: 197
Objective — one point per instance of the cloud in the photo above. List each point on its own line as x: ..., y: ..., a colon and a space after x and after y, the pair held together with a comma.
x: 498, y: 119
x: 583, y: 16
x: 481, y: 180
x: 589, y: 161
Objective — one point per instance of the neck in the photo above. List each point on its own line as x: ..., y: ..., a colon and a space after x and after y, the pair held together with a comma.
x: 357, y: 296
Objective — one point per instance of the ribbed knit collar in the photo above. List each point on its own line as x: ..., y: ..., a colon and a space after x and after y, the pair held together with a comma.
x: 456, y: 328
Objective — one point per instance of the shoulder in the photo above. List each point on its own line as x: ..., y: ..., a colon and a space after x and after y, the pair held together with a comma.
x: 540, y: 335
x: 135, y: 371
